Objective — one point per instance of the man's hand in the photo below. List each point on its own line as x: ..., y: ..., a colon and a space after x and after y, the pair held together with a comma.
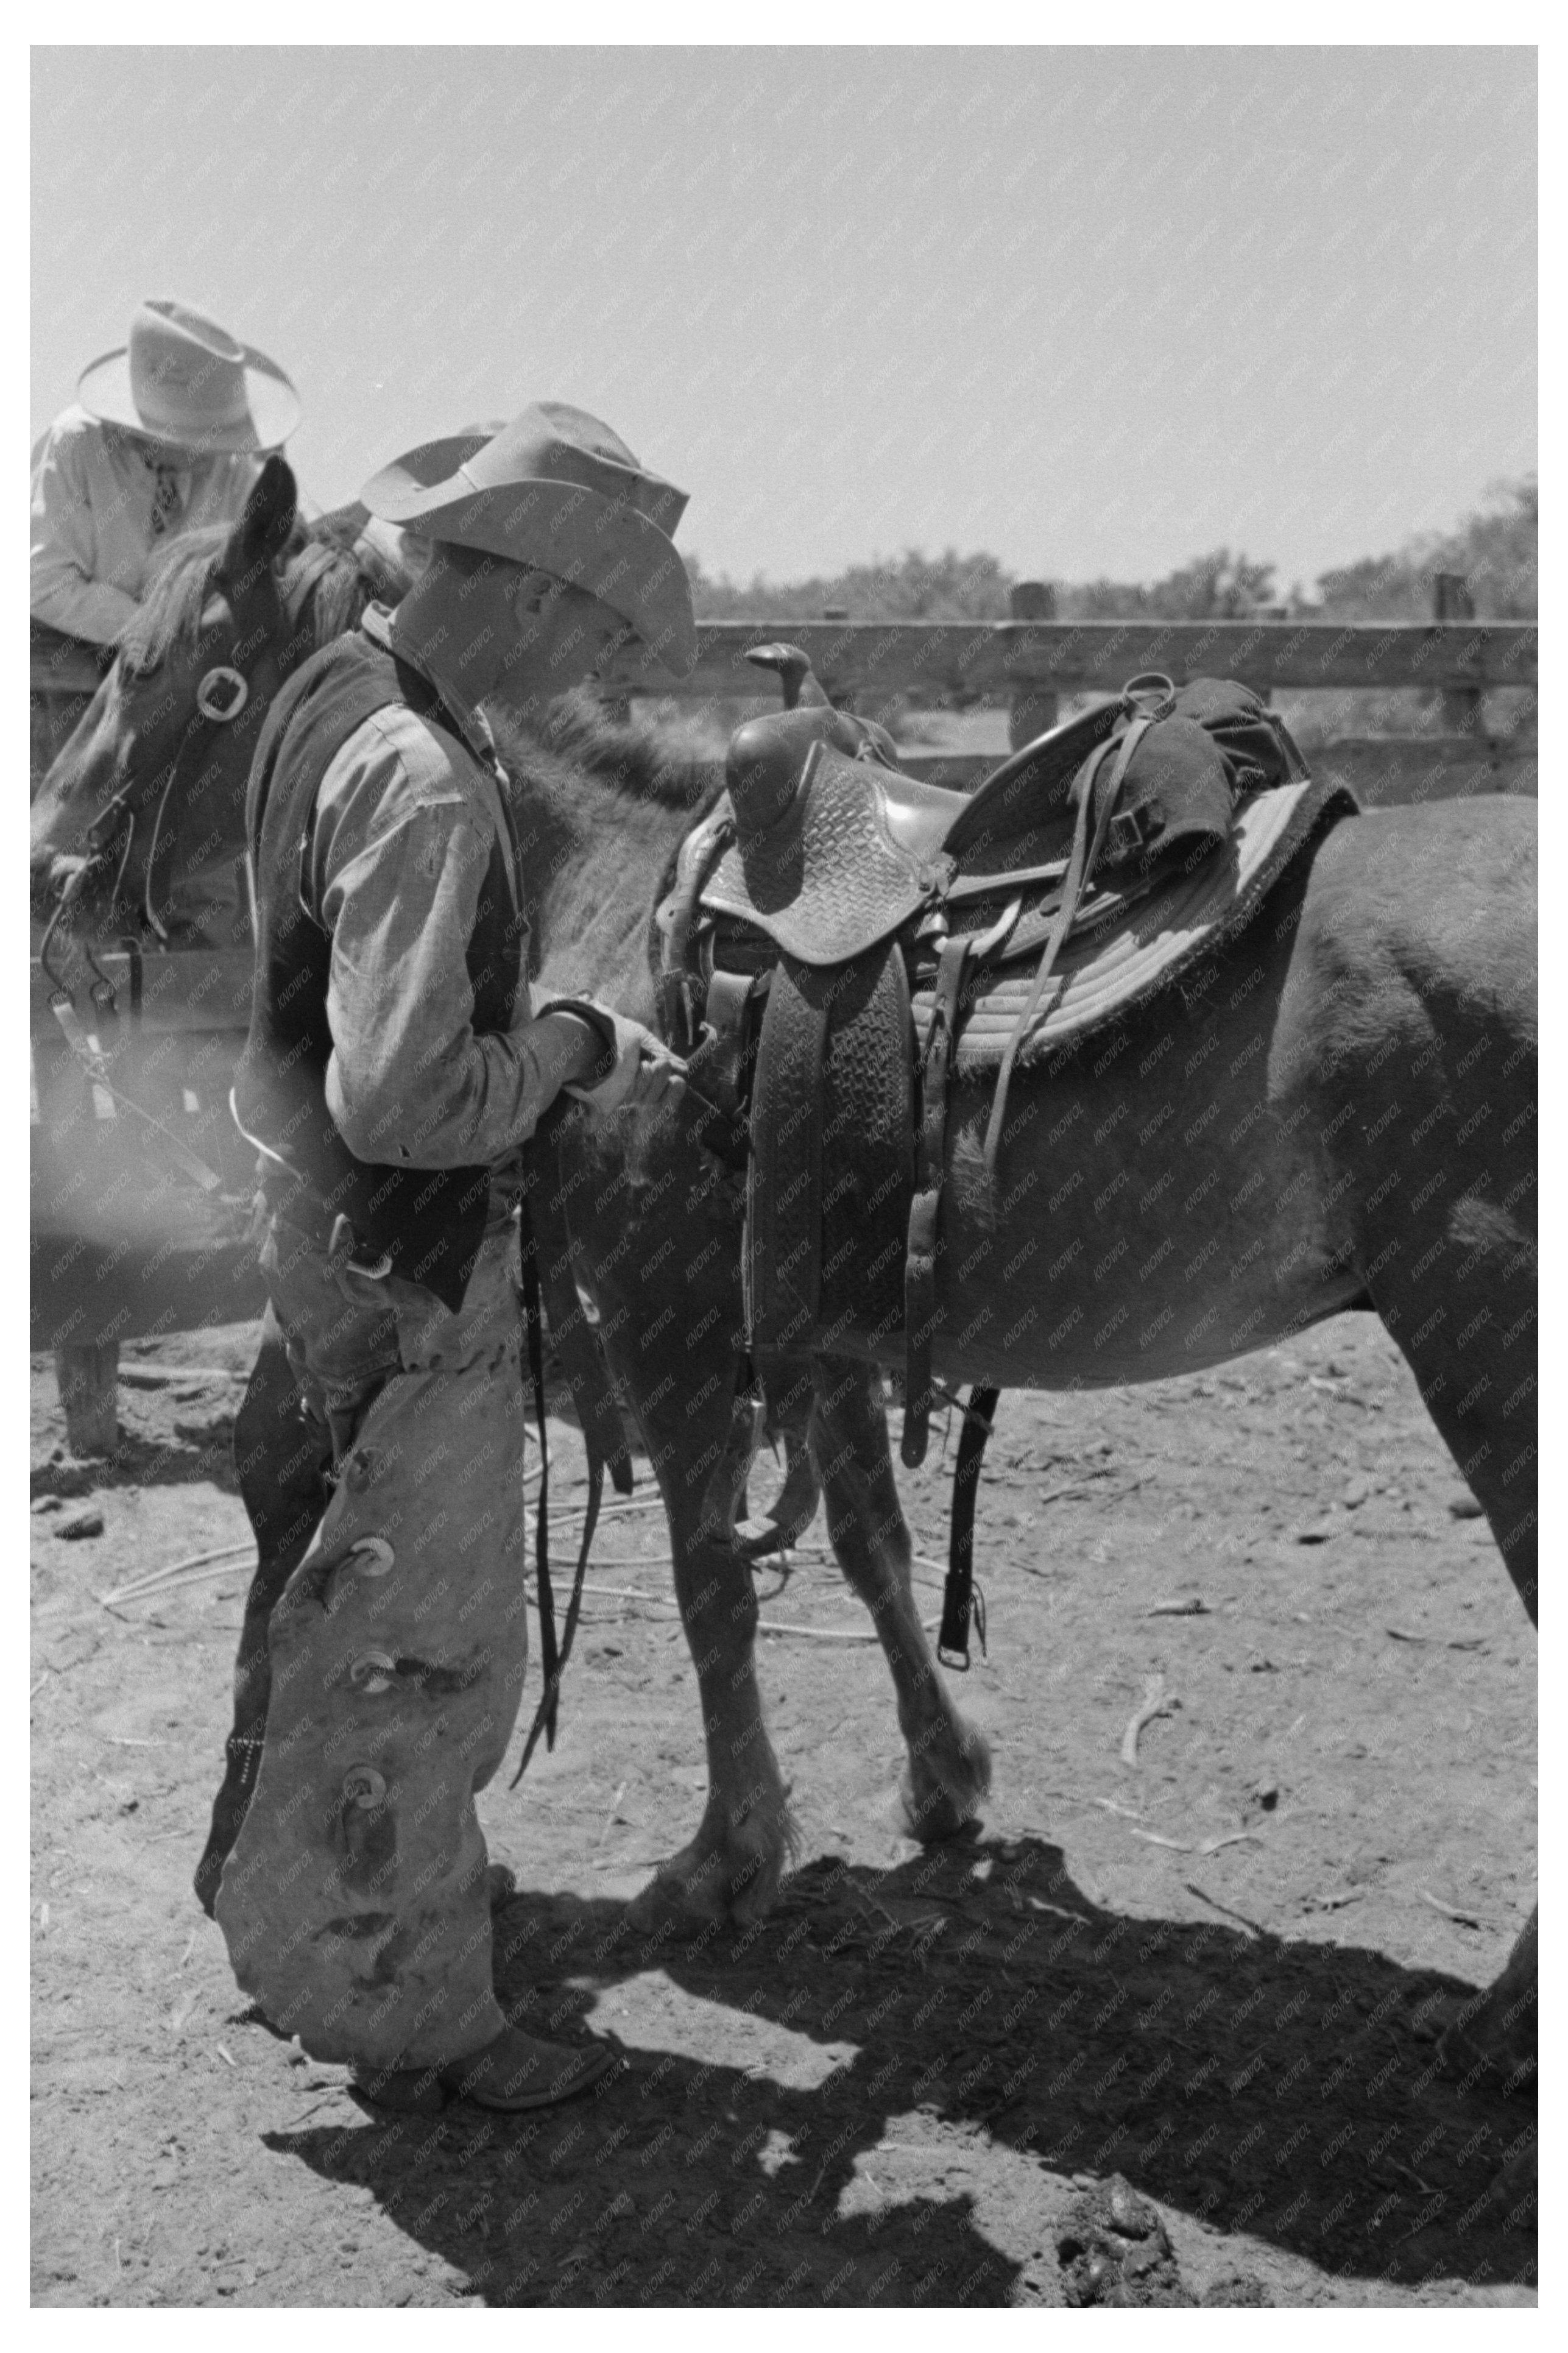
x: 645, y: 1073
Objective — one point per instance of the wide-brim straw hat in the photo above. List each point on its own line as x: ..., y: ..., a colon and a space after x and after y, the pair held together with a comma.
x: 556, y: 489
x: 182, y: 379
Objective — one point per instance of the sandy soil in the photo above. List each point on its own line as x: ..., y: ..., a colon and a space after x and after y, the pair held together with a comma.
x: 1216, y: 1973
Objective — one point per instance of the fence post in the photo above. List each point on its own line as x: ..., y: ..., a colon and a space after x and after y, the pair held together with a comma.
x: 1265, y: 612
x: 841, y: 695
x: 1452, y: 601
x: 88, y: 1379
x: 1033, y: 710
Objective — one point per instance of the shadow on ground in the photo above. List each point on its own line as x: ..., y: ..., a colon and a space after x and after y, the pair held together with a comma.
x: 973, y: 1999
x: 199, y: 1450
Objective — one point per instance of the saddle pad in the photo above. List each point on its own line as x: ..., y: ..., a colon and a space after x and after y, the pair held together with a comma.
x: 1111, y: 964
x: 828, y: 880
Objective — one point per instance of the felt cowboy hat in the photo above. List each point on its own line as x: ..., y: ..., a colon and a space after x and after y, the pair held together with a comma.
x: 558, y: 490
x: 182, y: 380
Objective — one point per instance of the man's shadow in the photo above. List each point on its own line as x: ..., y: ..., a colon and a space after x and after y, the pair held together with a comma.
x: 1291, y: 2092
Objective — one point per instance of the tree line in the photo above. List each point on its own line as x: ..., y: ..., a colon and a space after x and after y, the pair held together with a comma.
x: 1494, y: 547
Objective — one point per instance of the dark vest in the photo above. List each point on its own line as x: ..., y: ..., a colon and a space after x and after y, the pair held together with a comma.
x: 429, y: 1221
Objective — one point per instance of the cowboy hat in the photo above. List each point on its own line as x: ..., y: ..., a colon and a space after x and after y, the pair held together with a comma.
x: 556, y: 490
x: 182, y: 380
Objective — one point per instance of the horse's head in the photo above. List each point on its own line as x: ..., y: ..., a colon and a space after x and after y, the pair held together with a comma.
x: 174, y: 723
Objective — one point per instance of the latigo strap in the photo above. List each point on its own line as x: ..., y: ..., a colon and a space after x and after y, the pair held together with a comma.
x: 548, y: 1280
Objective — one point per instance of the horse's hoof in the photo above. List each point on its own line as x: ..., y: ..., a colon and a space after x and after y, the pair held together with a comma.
x: 664, y: 1908
x: 709, y: 1883
x: 933, y: 1815
x: 943, y: 1799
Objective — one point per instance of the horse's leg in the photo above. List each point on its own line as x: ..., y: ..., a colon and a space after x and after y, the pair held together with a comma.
x: 1466, y: 1325
x: 281, y: 1457
x: 1423, y: 1002
x: 949, y: 1767
x: 1459, y: 1296
x: 671, y: 1321
x: 732, y: 1867
x: 1409, y: 1025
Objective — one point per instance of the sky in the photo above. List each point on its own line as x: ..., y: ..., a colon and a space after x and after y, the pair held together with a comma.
x: 1092, y: 311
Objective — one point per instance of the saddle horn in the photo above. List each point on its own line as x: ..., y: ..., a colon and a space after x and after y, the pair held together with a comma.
x: 798, y: 682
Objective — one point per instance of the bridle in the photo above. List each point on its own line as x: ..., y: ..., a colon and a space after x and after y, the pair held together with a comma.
x: 223, y: 692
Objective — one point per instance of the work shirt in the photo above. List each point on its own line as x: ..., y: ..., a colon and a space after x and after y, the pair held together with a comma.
x: 103, y: 505
x: 407, y: 819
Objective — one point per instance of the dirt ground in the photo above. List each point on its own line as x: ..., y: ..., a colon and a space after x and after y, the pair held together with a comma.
x: 1216, y: 1972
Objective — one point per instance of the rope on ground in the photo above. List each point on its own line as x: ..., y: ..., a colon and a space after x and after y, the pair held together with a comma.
x: 1156, y: 1701
x: 156, y: 1579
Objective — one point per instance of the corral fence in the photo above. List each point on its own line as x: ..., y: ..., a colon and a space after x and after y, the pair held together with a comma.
x: 1037, y: 663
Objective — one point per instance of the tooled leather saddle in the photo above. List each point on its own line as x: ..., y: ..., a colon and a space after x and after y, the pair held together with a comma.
x: 839, y: 935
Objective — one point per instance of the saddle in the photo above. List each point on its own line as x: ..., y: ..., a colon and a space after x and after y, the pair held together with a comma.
x: 841, y: 939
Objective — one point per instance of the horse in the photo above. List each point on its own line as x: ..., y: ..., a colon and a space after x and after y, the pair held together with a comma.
x: 1334, y: 1111
x: 152, y: 777
x: 1340, y: 1118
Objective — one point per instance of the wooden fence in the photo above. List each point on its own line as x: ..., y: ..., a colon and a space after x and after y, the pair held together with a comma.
x: 1034, y: 660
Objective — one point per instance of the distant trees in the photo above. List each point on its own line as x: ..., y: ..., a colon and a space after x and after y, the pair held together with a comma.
x: 948, y: 587
x: 1215, y: 588
x: 1495, y: 548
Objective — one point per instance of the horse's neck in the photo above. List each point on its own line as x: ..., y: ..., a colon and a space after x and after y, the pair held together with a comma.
x: 589, y: 879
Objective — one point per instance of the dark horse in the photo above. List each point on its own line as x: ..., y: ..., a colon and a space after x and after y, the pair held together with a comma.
x: 1343, y: 1116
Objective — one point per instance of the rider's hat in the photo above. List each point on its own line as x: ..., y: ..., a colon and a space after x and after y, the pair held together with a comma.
x: 557, y: 489
x: 181, y: 379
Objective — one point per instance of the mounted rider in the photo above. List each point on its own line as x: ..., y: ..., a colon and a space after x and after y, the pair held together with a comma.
x: 396, y: 1067
x: 165, y: 434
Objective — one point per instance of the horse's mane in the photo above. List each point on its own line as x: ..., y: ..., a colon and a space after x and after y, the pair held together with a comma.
x: 603, y: 805
x: 324, y: 565
x: 659, y: 763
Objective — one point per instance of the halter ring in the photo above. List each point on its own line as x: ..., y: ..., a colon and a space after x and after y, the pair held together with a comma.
x: 222, y: 695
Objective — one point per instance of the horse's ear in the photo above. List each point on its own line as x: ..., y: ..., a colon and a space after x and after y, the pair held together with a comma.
x: 262, y: 533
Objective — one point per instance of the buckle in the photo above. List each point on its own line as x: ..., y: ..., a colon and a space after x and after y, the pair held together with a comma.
x: 343, y: 1250
x: 1131, y: 830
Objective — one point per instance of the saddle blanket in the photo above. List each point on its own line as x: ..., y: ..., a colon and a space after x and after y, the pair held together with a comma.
x: 1122, y: 953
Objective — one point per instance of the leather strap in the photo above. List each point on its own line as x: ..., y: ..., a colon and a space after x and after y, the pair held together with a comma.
x: 726, y: 1054
x: 544, y: 1716
x: 1086, y: 848
x: 547, y: 1278
x: 675, y: 920
x: 959, y: 1595
x: 571, y: 1334
x: 720, y: 1069
x: 106, y: 1095
x: 921, y: 1251
x: 782, y: 1258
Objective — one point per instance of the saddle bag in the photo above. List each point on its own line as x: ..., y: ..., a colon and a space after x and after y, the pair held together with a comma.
x: 1196, y: 751
x: 1207, y: 744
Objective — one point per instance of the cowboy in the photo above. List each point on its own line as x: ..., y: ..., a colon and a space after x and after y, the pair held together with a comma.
x: 395, y: 1065
x: 164, y: 433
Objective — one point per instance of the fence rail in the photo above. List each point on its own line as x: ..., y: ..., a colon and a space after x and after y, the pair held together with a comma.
x: 871, y: 657
x: 995, y: 657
